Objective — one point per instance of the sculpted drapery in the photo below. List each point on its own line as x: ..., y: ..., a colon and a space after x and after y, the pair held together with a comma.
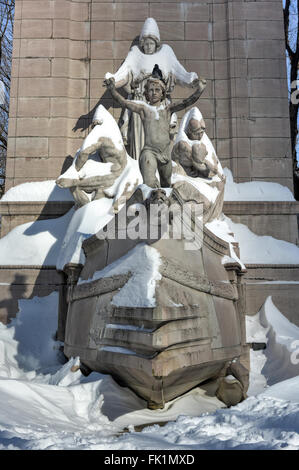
x: 132, y: 76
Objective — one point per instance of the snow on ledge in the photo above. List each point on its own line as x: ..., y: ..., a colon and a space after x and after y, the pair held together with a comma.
x: 257, y: 249
x: 279, y: 361
x: 251, y: 191
x: 254, y: 190
x: 37, y: 191
x: 143, y: 263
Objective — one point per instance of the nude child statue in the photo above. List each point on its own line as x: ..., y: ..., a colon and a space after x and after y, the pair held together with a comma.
x: 156, y: 153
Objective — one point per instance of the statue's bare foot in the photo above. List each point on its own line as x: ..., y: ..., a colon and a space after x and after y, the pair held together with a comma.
x: 66, y: 182
x: 202, y: 83
x: 109, y: 83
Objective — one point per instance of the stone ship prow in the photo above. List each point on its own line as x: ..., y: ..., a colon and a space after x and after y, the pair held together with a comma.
x: 191, y: 330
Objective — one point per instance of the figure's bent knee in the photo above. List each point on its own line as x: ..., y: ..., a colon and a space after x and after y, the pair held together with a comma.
x: 184, y: 147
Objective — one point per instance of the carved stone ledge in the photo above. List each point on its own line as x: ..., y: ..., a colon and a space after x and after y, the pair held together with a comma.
x: 100, y: 286
x: 260, y: 207
x: 215, y: 243
x: 173, y: 271
x: 15, y: 213
x: 36, y: 208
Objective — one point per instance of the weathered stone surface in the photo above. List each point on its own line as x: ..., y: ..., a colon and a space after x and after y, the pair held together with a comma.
x: 78, y: 30
x: 25, y: 282
x: 38, y: 67
x: 267, y: 68
x: 168, y: 357
x: 62, y: 67
x: 17, y: 213
x: 285, y: 296
x: 265, y: 30
x: 31, y: 146
x: 36, y: 28
x: 270, y: 147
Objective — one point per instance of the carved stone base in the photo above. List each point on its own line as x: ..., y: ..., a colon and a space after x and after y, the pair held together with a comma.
x: 191, y: 336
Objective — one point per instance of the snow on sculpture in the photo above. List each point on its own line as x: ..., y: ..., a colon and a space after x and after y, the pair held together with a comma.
x: 159, y: 310
x: 101, y: 167
x: 156, y: 119
x: 119, y: 284
x: 132, y: 76
x: 197, y: 170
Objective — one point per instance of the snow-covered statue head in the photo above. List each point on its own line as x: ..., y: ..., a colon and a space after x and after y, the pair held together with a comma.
x: 197, y: 170
x: 193, y: 150
x: 195, y: 128
x: 149, y: 39
x: 193, y: 125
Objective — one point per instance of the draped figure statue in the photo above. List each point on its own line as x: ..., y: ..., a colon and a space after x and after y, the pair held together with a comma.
x: 133, y: 74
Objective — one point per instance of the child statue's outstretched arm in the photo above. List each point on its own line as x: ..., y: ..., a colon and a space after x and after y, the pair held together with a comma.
x: 185, y: 103
x: 133, y: 106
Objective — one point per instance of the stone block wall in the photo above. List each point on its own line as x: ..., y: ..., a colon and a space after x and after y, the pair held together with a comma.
x: 62, y: 49
x: 26, y: 282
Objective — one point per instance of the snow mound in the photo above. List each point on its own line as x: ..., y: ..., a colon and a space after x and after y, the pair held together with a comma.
x: 37, y: 191
x: 258, y: 423
x: 27, y: 344
x: 255, y: 190
x: 255, y: 249
x: 34, y: 243
x: 220, y: 227
x: 280, y: 360
x: 55, y: 242
x: 56, y: 407
x: 143, y: 263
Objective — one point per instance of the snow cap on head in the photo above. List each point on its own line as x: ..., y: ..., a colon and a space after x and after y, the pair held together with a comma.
x: 98, y: 115
x: 194, y: 113
x: 150, y: 29
x: 103, y: 125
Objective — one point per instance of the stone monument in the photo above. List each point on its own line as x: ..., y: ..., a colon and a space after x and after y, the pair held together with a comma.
x: 160, y: 311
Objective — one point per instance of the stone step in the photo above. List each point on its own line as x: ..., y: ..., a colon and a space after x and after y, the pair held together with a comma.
x: 144, y: 340
x: 156, y: 315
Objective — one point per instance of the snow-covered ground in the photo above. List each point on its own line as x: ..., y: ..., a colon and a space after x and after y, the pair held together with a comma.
x: 48, y: 404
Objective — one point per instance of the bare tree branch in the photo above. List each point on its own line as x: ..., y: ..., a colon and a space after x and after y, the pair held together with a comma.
x: 291, y: 22
x: 6, y: 33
